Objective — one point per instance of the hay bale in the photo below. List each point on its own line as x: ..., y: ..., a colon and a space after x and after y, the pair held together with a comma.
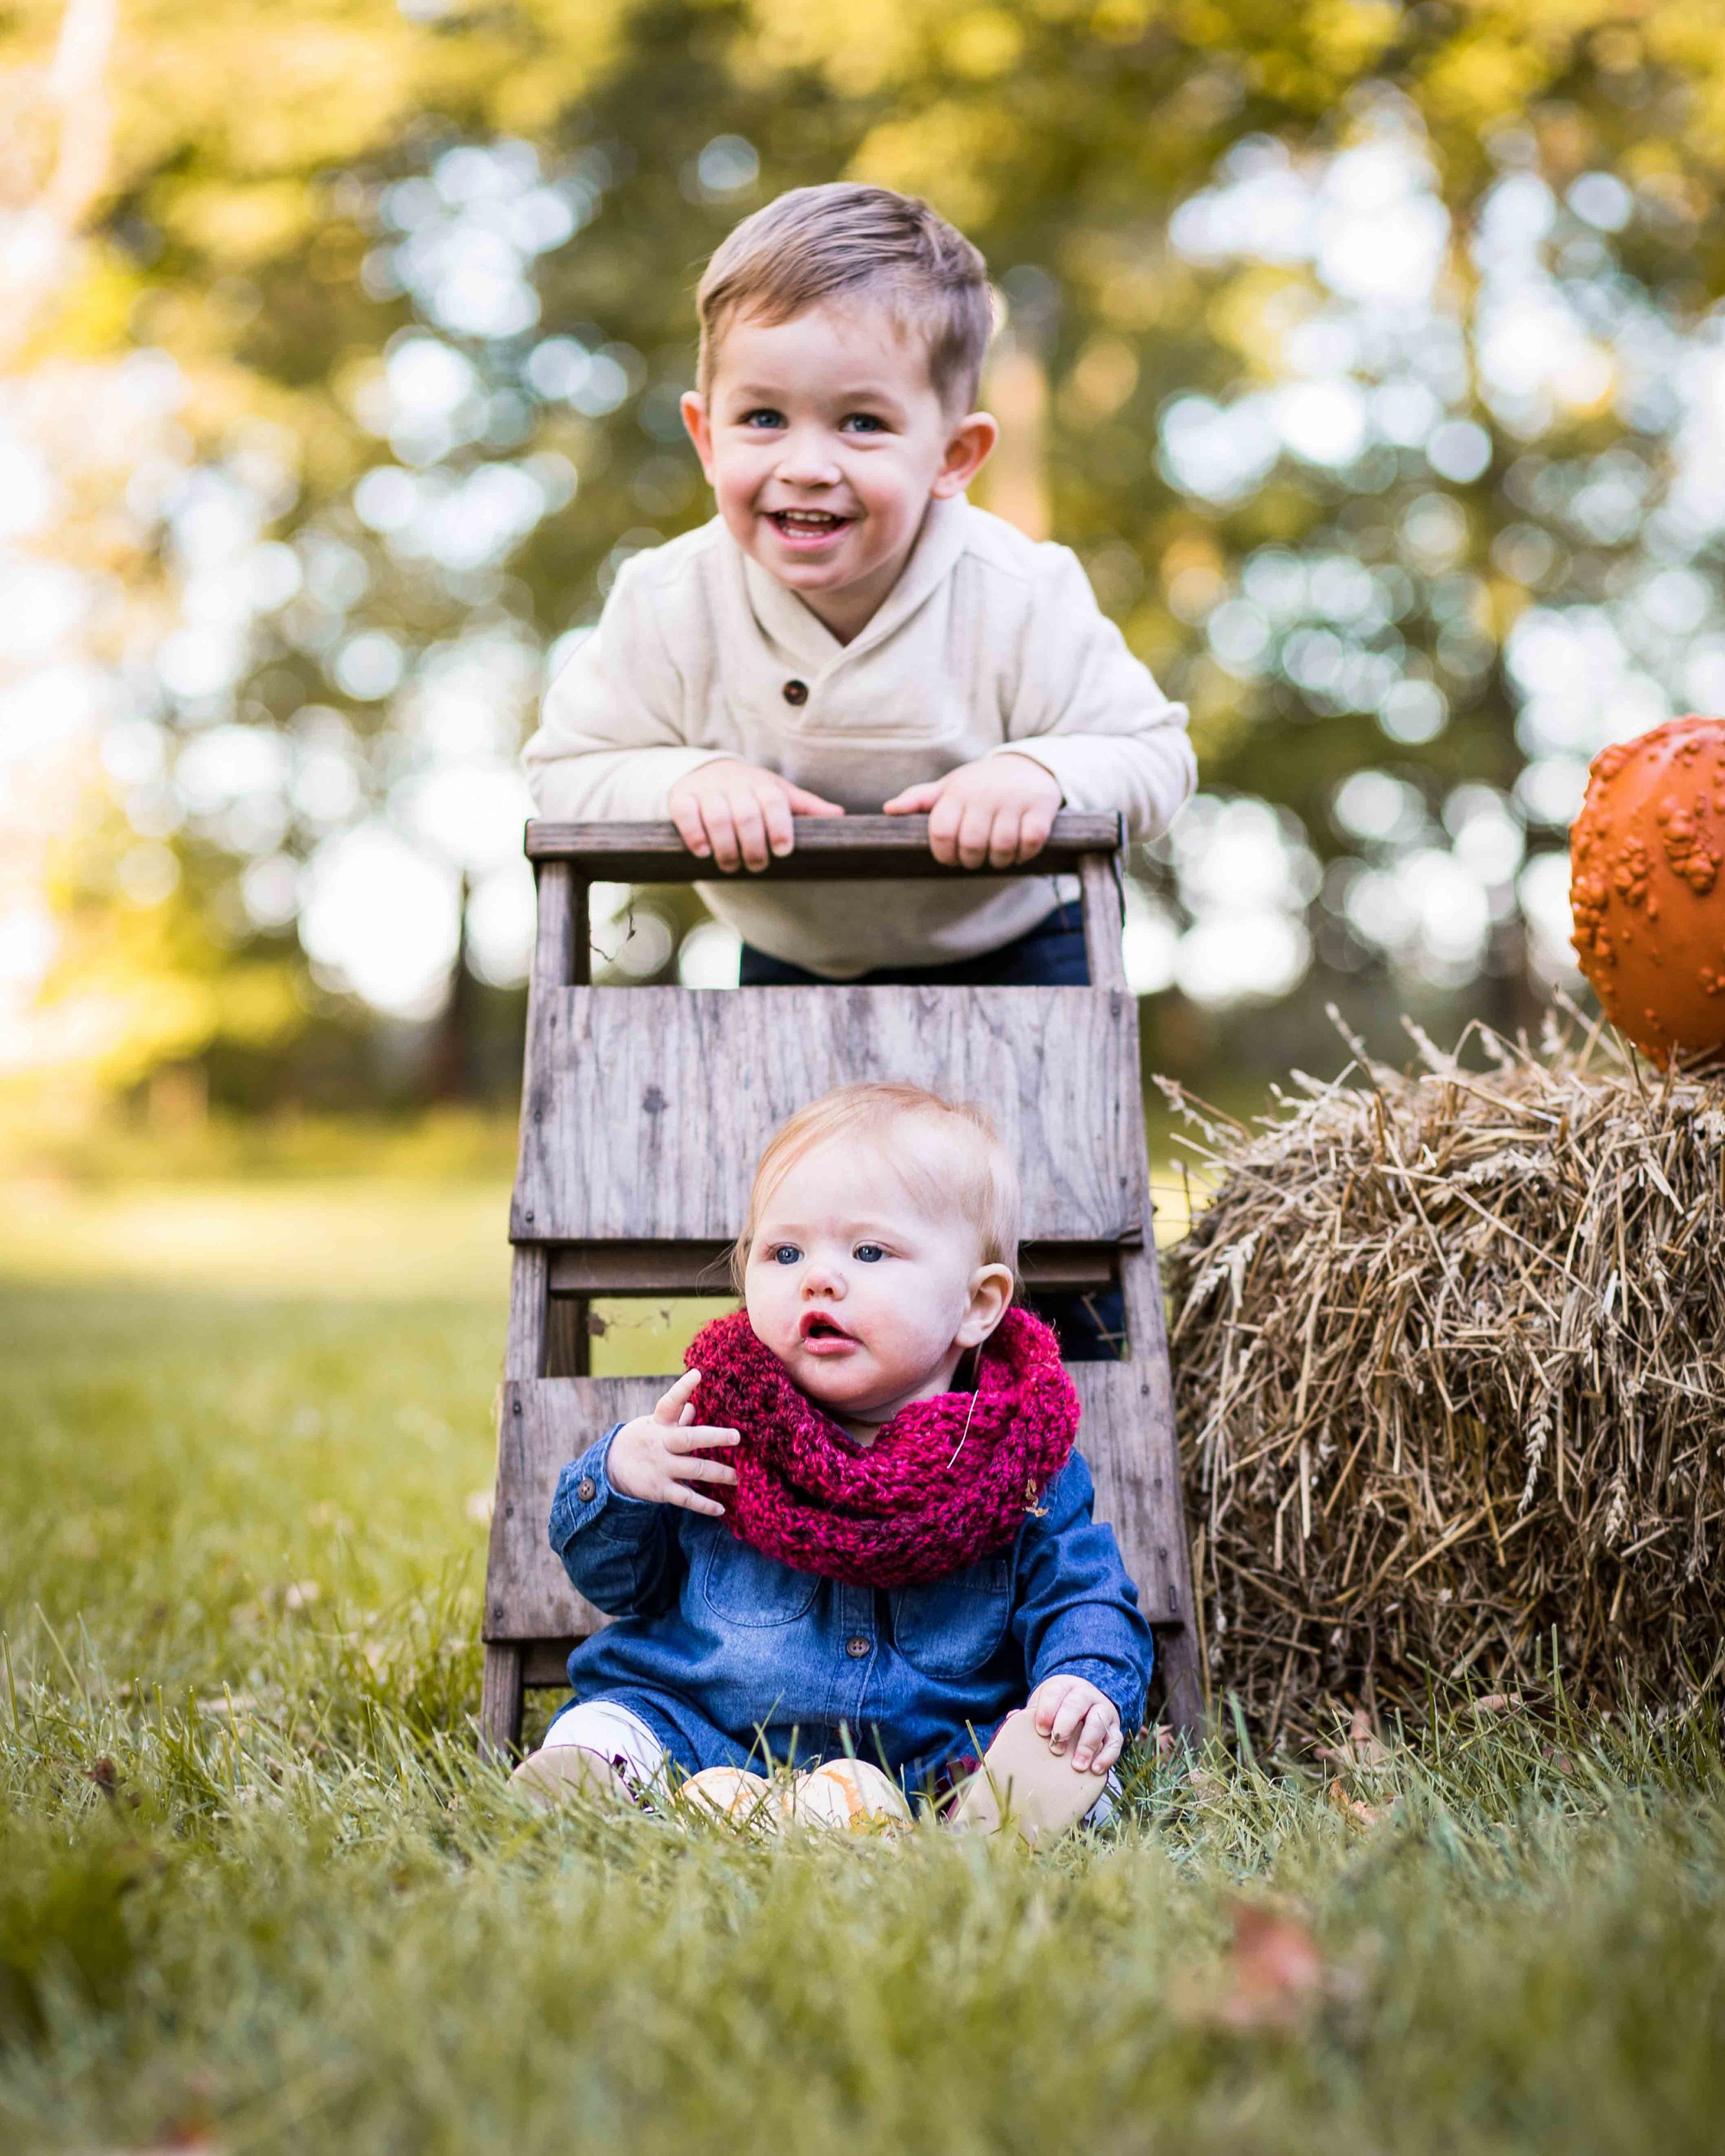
x: 1450, y: 1367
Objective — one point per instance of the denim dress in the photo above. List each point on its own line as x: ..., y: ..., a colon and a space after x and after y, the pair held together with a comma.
x: 731, y: 1659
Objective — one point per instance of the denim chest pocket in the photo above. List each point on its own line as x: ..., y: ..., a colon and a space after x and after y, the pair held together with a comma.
x: 744, y: 1588
x: 952, y: 1627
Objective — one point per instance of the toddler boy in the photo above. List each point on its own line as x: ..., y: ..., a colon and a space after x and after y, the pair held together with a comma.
x: 849, y: 632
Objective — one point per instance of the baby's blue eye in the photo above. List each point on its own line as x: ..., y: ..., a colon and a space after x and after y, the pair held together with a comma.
x: 864, y: 421
x: 787, y: 1254
x: 764, y: 418
x: 869, y: 1253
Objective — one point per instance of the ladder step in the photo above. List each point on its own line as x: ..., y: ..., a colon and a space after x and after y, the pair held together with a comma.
x: 704, y: 1268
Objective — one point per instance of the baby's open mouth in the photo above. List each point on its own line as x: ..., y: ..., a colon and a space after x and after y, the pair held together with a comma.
x: 816, y: 1325
x: 807, y: 523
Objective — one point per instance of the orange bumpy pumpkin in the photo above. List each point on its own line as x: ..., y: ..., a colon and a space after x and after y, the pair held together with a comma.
x: 1645, y: 888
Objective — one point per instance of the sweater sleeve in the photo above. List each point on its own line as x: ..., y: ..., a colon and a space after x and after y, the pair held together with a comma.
x: 1077, y: 1610
x: 613, y: 736
x: 1091, y: 714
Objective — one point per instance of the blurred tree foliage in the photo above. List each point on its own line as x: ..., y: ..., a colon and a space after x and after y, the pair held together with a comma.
x: 286, y: 212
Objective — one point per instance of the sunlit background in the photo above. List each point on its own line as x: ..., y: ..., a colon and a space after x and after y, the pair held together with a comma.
x: 1370, y: 357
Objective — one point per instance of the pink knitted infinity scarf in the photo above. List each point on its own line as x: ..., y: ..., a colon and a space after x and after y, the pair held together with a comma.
x: 948, y: 1481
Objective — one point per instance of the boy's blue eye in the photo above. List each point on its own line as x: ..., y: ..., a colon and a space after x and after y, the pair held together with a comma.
x: 864, y: 421
x: 787, y: 1254
x: 764, y: 418
x: 869, y: 1253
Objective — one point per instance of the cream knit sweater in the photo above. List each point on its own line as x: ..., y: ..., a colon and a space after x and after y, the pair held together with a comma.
x: 989, y: 641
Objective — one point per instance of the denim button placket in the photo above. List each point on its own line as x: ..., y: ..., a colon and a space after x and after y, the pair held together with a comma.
x: 587, y: 1489
x: 856, y: 1648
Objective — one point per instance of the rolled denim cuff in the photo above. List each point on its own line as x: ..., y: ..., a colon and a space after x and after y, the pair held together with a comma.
x: 585, y: 1498
x: 1123, y: 1689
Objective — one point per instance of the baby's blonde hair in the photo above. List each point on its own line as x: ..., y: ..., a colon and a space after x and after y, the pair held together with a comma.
x: 843, y: 241
x: 981, y: 1185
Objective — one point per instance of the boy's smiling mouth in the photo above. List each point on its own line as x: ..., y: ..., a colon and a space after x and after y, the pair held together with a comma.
x: 807, y: 527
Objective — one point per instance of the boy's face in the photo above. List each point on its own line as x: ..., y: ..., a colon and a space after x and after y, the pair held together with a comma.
x: 867, y: 1298
x: 825, y: 440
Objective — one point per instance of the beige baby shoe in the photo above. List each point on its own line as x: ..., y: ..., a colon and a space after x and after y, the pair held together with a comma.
x: 1024, y: 1783
x: 559, y: 1771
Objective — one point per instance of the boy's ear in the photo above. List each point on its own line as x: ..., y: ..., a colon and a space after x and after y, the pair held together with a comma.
x: 701, y: 429
x: 968, y: 448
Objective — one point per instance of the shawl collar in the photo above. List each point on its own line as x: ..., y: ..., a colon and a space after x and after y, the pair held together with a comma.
x: 804, y: 638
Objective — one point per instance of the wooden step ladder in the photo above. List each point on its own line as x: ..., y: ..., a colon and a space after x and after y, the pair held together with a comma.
x: 644, y: 1111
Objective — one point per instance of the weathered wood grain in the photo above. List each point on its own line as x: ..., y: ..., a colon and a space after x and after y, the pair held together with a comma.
x: 827, y: 847
x: 560, y: 948
x: 524, y: 1355
x: 546, y: 1662
x: 645, y: 1110
x: 546, y: 1423
x: 500, y: 1702
x: 1118, y: 1438
x: 1182, y: 1674
x: 542, y: 1424
x: 1103, y: 918
x: 1152, y: 1463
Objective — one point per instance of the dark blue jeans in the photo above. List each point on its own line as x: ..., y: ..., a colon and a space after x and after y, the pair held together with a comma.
x: 1091, y: 1326
x: 1049, y: 955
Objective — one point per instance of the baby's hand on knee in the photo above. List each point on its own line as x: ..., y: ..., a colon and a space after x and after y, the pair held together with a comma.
x: 1074, y: 1716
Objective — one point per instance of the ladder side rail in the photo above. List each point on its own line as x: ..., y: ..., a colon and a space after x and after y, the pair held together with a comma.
x: 560, y: 961
x: 1103, y: 912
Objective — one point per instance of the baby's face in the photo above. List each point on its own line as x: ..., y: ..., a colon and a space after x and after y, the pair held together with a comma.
x: 825, y: 440
x: 867, y: 1300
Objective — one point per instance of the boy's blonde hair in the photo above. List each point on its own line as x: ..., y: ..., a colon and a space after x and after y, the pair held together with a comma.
x: 839, y: 241
x: 979, y: 1180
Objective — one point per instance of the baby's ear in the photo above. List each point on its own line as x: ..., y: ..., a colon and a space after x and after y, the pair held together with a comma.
x: 990, y: 1294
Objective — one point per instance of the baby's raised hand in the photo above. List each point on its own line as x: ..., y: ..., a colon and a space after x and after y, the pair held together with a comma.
x: 1070, y: 1711
x: 655, y: 1457
x: 998, y: 810
x: 736, y: 811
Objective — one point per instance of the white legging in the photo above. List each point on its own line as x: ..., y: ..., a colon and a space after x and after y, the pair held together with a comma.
x: 616, y: 1733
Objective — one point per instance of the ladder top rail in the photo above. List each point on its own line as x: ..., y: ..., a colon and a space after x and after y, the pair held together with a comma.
x: 841, y: 848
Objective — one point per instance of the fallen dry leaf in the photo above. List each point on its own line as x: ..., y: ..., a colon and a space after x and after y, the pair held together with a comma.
x: 1497, y: 1702
x: 1362, y: 1746
x: 1367, y: 1747
x: 1354, y: 1810
x: 1274, y: 1974
x: 180, y: 2145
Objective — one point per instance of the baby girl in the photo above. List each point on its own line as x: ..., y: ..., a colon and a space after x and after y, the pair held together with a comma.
x: 815, y: 1547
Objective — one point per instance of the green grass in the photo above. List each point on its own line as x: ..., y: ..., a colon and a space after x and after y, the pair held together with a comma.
x: 256, y: 1893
